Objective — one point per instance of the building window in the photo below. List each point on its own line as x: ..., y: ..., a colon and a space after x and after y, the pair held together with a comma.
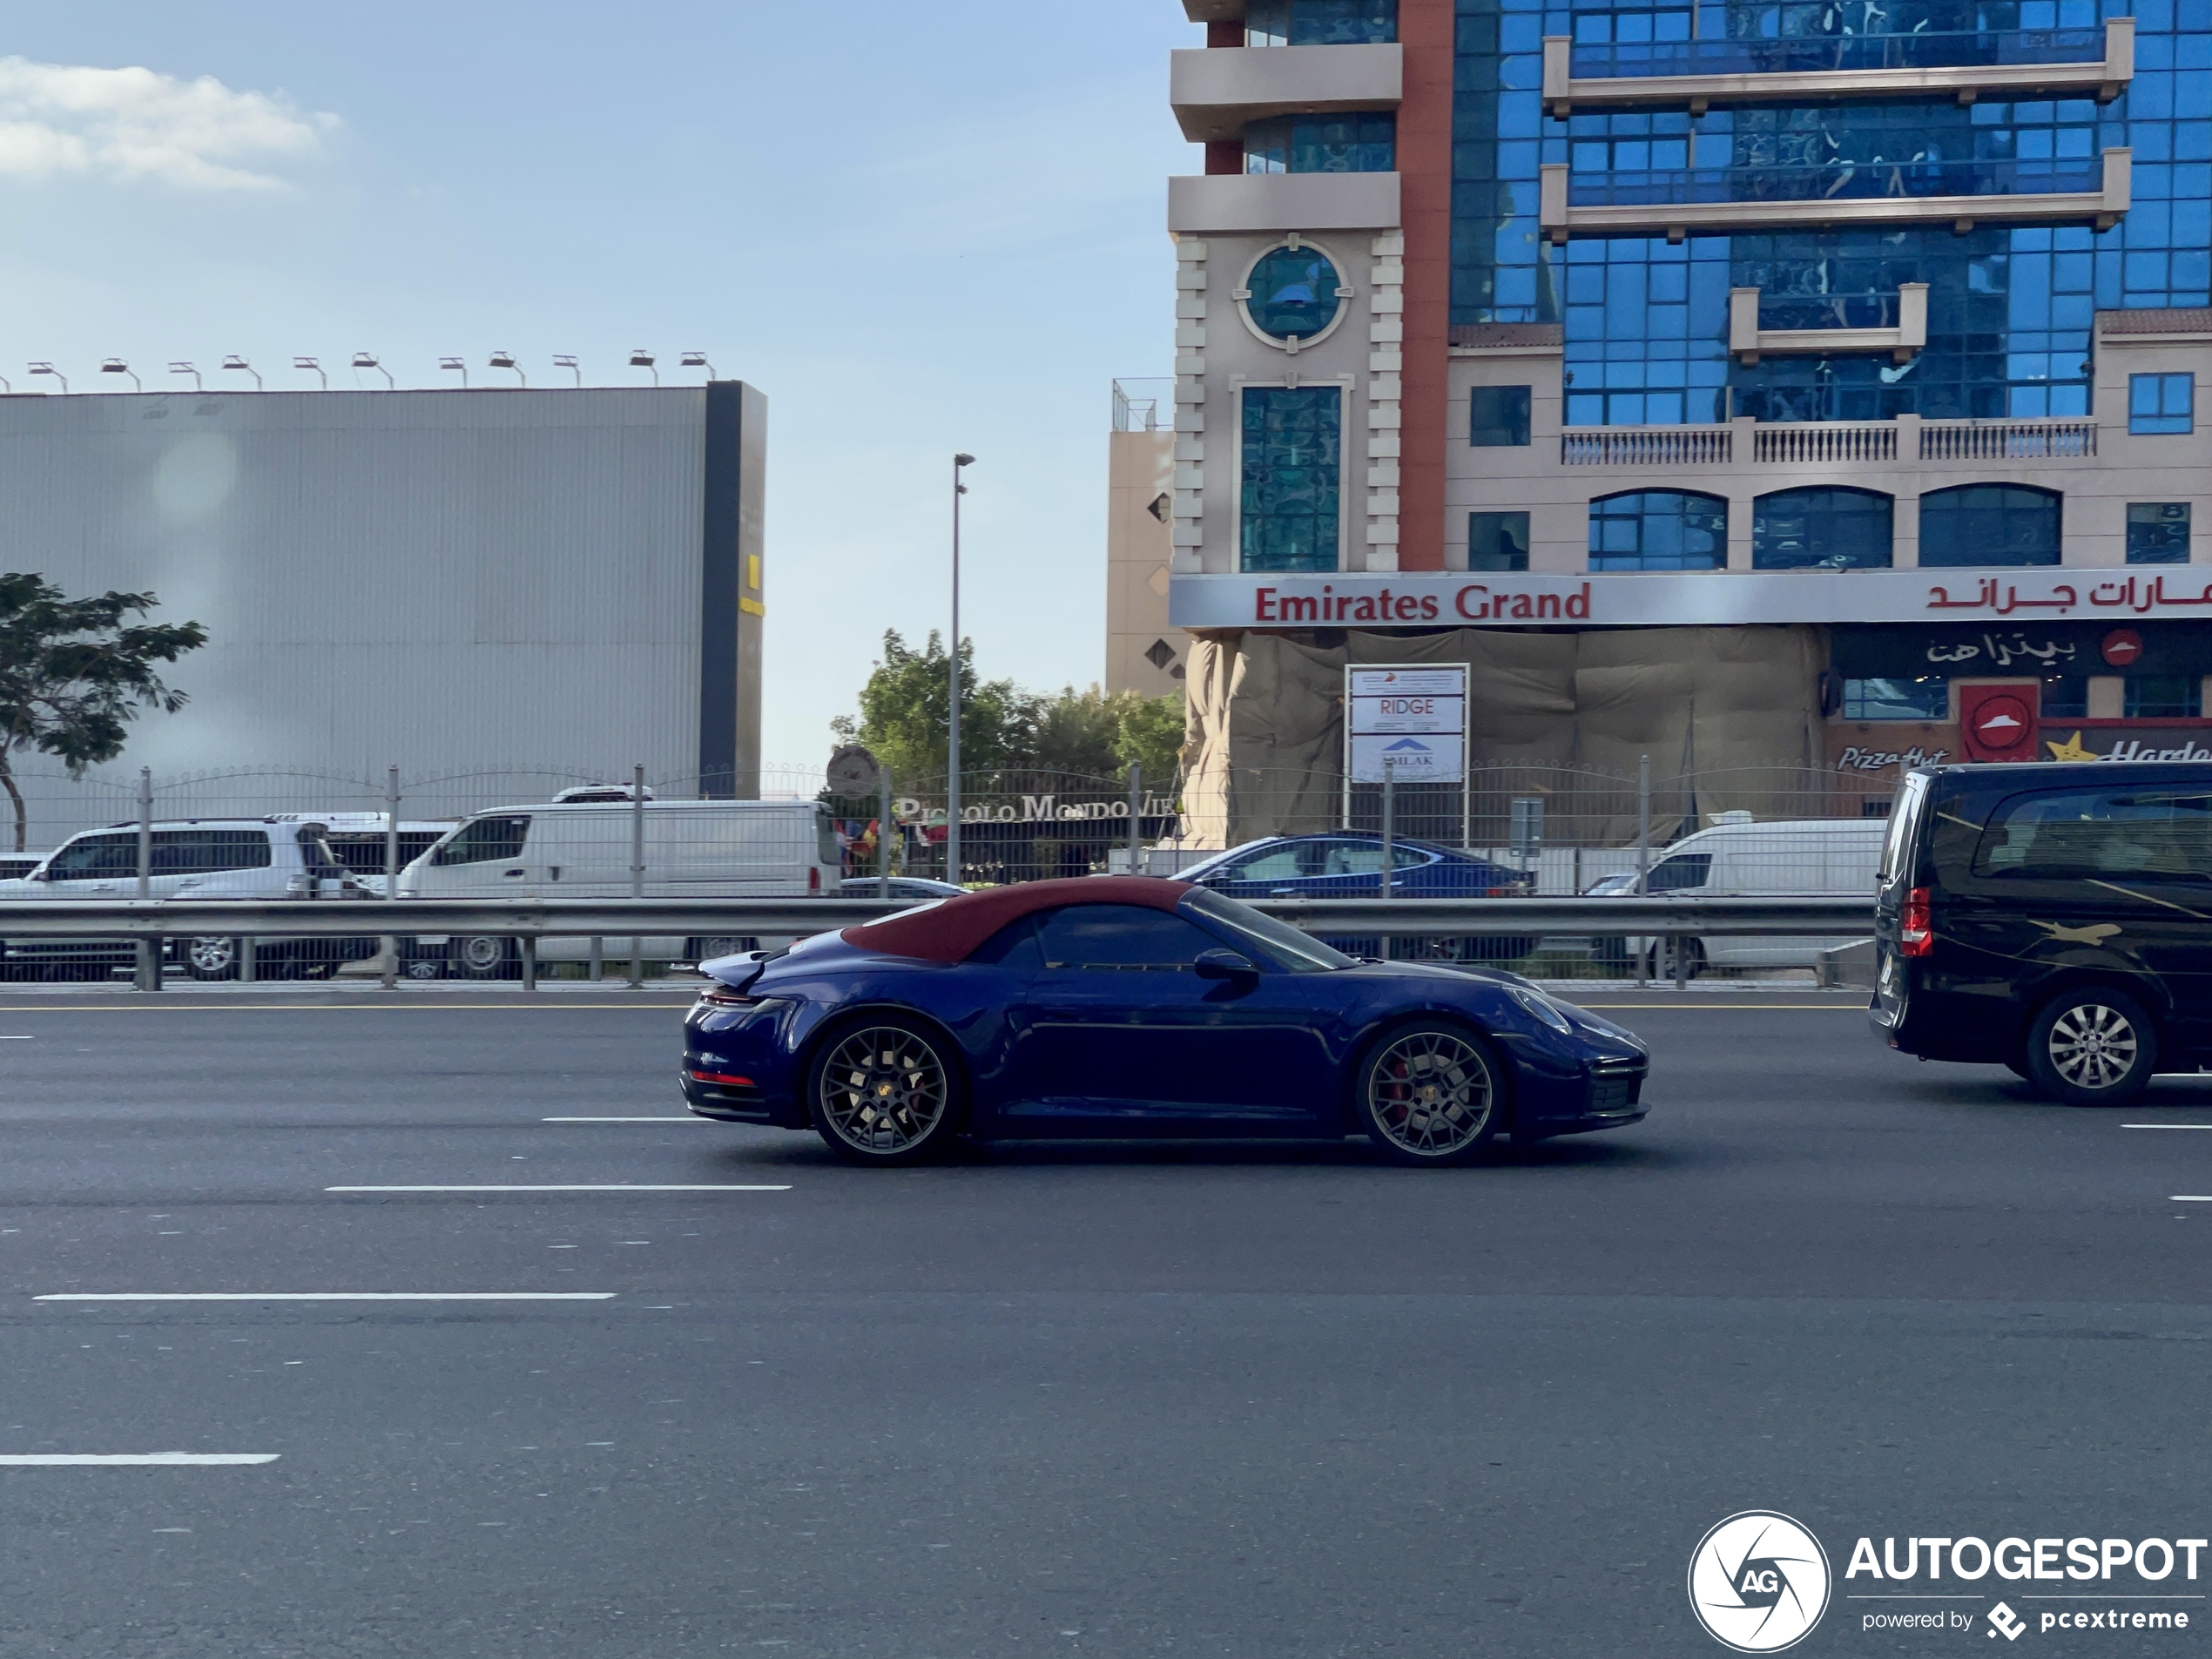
x: 1990, y: 524
x: 1659, y: 529
x: 1291, y: 469
x: 2164, y: 697
x: 1497, y: 541
x: 2160, y: 404
x: 1293, y: 293
x: 2158, y: 532
x: 2066, y: 696
x: 1499, y: 417
x: 1925, y: 698
x: 1359, y: 143
x: 1320, y: 23
x: 1821, y: 530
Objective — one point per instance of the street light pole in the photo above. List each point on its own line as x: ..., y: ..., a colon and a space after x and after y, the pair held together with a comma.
x: 952, y: 740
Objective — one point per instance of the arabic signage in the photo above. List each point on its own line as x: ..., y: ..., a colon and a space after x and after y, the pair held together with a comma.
x: 2032, y: 652
x: 1413, y: 720
x: 1447, y: 598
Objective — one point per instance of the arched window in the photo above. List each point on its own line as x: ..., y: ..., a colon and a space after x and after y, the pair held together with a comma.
x: 1659, y: 529
x: 1990, y: 524
x: 1821, y: 530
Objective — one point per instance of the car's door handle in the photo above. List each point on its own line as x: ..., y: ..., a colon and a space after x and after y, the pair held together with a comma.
x: 1284, y: 893
x: 513, y: 875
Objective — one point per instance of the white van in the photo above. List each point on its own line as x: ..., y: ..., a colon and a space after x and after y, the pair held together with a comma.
x: 1739, y: 858
x: 706, y: 849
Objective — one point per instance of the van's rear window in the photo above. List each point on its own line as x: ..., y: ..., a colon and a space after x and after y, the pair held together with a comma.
x: 2101, y: 833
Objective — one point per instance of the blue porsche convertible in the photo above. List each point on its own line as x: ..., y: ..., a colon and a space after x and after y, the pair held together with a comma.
x: 1124, y: 1006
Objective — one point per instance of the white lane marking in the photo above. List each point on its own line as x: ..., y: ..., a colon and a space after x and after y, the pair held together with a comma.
x: 2160, y: 1126
x: 2190, y: 1197
x: 569, y: 1189
x: 687, y: 1118
x: 334, y: 1296
x: 14, y: 1039
x: 132, y: 1459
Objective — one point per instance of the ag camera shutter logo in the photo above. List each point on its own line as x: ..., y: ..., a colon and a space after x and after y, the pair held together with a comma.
x: 1759, y: 1582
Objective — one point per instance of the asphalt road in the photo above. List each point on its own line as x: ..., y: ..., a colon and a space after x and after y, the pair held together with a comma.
x: 1076, y: 1400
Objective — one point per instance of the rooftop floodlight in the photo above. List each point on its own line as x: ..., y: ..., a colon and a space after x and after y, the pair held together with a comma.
x: 506, y: 360
x: 117, y: 366
x: 642, y: 359
x: 309, y: 362
x: 562, y: 361
x: 368, y: 359
x: 698, y: 360
x: 198, y: 385
x: 455, y: 366
x: 239, y: 365
x: 47, y: 368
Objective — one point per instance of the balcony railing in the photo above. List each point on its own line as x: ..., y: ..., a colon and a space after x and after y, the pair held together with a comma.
x: 1680, y: 201
x: 2008, y: 440
x: 1828, y: 443
x: 1964, y: 65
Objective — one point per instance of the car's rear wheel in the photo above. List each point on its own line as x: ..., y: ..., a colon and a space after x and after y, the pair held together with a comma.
x: 212, y: 958
x: 481, y: 956
x: 885, y: 1090
x: 1659, y: 961
x: 1431, y: 1094
x: 2092, y: 1048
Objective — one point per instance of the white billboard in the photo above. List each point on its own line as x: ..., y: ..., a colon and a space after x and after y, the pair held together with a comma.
x: 1410, y: 720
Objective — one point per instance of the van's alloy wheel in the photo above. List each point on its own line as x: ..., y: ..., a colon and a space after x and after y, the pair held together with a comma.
x: 1430, y: 1095
x: 481, y: 957
x: 884, y: 1093
x: 212, y: 957
x: 2093, y: 1047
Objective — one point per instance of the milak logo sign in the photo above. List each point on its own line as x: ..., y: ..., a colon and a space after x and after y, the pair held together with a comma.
x: 1758, y: 1582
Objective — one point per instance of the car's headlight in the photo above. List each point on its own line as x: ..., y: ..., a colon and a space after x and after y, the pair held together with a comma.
x: 1541, y: 1006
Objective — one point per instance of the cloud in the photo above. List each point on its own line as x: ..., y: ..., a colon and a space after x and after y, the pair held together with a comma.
x: 131, y: 124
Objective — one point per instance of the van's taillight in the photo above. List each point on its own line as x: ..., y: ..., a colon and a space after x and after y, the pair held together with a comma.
x: 1916, y: 929
x: 814, y: 879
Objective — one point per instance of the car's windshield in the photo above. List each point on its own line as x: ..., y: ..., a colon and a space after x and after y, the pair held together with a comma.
x: 1277, y: 941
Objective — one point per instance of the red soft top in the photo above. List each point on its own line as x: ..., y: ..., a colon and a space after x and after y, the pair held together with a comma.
x: 948, y: 931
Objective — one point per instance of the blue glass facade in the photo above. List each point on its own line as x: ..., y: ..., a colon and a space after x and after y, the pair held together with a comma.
x: 2010, y: 310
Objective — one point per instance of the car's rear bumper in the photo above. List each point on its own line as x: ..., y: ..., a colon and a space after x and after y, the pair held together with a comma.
x: 726, y: 1103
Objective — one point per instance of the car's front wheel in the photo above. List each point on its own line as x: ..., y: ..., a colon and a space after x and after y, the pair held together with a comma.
x: 1431, y: 1094
x: 2092, y: 1048
x: 212, y: 958
x: 885, y: 1090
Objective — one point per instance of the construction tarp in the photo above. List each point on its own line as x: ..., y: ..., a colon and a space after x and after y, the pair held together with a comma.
x: 1734, y: 708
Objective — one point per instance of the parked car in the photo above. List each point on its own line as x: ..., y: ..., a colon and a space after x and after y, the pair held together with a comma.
x: 358, y: 840
x: 1347, y: 864
x: 1126, y: 1006
x: 15, y: 866
x: 914, y: 888
x: 265, y: 859
x: 718, y: 849
x: 2050, y: 918
x: 1744, y: 858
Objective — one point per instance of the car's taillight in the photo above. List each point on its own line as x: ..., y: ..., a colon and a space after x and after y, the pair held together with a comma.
x: 724, y: 1079
x: 1916, y: 928
x: 721, y: 996
x: 814, y: 879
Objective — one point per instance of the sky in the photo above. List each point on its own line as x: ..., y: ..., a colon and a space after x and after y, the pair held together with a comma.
x: 917, y: 229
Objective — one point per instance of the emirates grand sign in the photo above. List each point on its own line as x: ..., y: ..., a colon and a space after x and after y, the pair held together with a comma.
x: 1451, y: 599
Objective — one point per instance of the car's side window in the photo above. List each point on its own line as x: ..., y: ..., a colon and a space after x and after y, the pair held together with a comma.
x: 1269, y: 864
x: 1013, y: 947
x: 206, y: 852
x: 485, y: 841
x: 94, y: 856
x: 1121, y: 937
x: 1683, y: 870
x: 2089, y: 834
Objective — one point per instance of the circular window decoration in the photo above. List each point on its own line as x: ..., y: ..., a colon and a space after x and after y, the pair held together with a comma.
x: 1293, y: 296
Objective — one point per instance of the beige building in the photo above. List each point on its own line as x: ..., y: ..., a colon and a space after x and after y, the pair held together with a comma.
x: 1142, y: 653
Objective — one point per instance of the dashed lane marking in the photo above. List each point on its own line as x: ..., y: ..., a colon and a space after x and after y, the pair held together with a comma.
x: 603, y: 1188
x: 332, y: 1296
x: 132, y: 1459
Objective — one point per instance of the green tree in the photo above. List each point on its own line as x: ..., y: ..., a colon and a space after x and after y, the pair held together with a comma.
x: 1150, y: 732
x: 74, y: 674
x: 903, y: 708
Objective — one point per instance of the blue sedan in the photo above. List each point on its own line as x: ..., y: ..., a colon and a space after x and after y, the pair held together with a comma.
x: 1347, y: 864
x: 1124, y: 1006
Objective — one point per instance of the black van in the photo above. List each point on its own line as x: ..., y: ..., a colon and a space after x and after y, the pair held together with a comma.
x: 2056, y: 919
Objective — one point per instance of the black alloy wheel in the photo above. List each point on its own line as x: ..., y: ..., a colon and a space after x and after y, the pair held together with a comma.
x: 1431, y: 1094
x: 884, y: 1090
x: 2091, y: 1047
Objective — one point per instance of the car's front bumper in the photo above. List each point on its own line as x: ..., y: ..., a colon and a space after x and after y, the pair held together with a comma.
x: 1612, y: 1098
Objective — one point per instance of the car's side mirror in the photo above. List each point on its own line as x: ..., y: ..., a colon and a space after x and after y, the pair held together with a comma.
x: 1225, y: 965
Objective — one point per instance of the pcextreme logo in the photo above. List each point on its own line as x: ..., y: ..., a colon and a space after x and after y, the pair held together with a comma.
x: 1758, y: 1582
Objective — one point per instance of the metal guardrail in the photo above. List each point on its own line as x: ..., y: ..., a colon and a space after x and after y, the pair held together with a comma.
x: 131, y: 919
